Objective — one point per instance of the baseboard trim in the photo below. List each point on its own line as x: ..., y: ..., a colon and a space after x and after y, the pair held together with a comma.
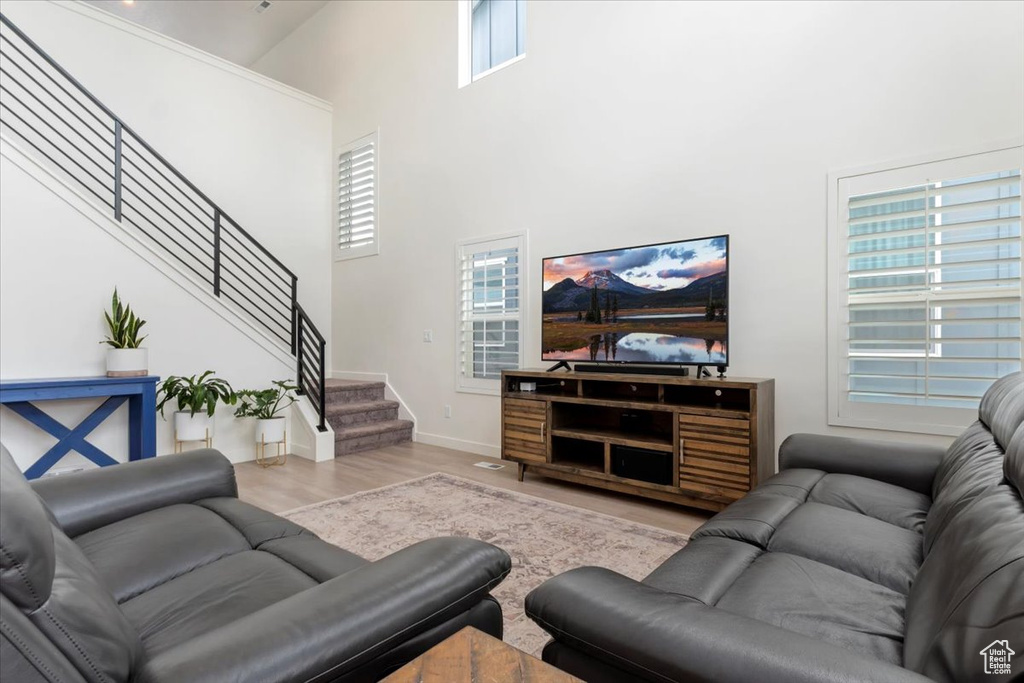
x: 484, y: 449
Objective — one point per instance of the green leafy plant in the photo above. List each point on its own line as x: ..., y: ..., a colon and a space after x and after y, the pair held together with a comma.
x: 123, y: 325
x: 196, y: 394
x: 265, y: 404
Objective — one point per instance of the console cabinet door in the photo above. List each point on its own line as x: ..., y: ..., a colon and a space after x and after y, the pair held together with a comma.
x: 714, y: 456
x: 525, y: 425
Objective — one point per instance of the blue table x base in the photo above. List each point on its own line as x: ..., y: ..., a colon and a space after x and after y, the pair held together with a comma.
x: 68, y: 439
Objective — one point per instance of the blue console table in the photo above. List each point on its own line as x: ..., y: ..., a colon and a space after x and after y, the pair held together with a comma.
x: 139, y: 392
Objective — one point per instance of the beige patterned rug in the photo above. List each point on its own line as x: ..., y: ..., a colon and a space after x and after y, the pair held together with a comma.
x: 544, y: 538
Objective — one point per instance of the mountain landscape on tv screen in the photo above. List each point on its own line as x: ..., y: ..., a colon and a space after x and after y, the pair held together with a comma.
x: 659, y: 304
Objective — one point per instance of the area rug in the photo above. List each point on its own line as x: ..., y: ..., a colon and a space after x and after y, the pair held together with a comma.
x: 544, y: 538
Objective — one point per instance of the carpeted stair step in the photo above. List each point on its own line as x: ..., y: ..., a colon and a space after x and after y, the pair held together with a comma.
x: 352, y: 391
x: 364, y: 437
x: 361, y: 412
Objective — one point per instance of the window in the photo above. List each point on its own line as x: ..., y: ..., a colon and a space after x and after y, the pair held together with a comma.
x: 489, y: 317
x: 357, y: 199
x: 925, y: 301
x: 492, y: 35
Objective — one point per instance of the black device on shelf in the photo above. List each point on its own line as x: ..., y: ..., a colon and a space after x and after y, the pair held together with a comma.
x: 642, y: 464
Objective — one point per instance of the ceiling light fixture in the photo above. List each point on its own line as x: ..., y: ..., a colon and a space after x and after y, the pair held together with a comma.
x: 128, y: 2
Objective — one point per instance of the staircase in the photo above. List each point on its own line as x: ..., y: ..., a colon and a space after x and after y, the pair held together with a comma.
x: 70, y: 131
x: 362, y: 419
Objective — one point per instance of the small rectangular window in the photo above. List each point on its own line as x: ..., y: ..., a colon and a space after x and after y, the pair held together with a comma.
x: 493, y: 34
x: 490, y: 276
x: 927, y: 296
x: 357, y: 199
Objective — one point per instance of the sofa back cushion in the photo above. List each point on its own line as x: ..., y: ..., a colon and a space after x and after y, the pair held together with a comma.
x: 48, y: 578
x: 974, y: 462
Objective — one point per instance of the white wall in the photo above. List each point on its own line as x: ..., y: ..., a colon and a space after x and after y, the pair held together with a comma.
x: 260, y: 149
x: 631, y: 123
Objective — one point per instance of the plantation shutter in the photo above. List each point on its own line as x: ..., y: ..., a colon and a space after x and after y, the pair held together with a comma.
x: 489, y: 310
x: 933, y: 290
x: 357, y: 198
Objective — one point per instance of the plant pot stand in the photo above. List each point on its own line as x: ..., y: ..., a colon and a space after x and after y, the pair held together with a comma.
x: 179, y: 444
x: 281, y: 452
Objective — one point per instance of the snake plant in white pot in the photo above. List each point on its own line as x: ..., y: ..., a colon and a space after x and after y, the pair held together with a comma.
x: 265, y: 405
x: 125, y: 358
x: 197, y: 399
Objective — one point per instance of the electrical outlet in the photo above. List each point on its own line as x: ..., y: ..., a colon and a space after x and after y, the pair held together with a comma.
x: 447, y: 411
x: 428, y: 336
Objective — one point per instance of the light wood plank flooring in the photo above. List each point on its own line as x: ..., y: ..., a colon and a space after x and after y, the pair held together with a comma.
x: 301, y: 482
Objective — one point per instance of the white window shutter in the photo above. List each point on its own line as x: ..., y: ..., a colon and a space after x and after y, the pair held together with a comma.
x: 489, y: 335
x: 357, y: 199
x: 930, y: 297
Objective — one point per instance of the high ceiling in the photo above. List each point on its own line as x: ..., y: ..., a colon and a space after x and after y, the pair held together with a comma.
x: 231, y: 29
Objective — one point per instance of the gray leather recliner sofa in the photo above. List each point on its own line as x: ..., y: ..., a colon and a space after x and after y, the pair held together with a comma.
x: 860, y: 561
x: 155, y: 572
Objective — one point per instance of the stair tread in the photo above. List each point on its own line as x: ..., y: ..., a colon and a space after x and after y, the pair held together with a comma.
x: 350, y: 385
x: 371, y: 428
x: 360, y: 407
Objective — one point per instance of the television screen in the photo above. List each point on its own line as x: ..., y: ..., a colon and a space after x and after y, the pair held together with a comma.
x: 662, y: 303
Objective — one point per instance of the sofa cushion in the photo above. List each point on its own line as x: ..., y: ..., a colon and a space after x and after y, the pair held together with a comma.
x: 852, y: 542
x: 886, y: 502
x: 704, y: 569
x: 313, y: 557
x: 970, y: 589
x: 45, y: 575
x: 144, y: 551
x: 211, y: 596
x: 820, y: 601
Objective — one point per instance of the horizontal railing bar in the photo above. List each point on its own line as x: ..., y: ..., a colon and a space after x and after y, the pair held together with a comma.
x: 59, y: 149
x: 311, y: 348
x: 256, y: 244
x: 53, y: 80
x: 307, y: 321
x: 238, y: 279
x: 61, y: 167
x: 129, y: 190
x: 129, y: 159
x: 173, y: 253
x: 241, y: 306
x: 126, y: 128
x: 60, y: 118
x: 267, y: 266
x: 225, y: 283
x: 140, y: 155
x: 186, y: 251
x: 171, y: 211
x: 241, y: 272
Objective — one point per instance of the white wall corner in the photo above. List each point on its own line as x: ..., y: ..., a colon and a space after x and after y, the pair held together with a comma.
x: 306, y: 440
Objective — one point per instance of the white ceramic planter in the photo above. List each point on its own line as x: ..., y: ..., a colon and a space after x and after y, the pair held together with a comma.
x: 196, y: 427
x: 270, y: 431
x: 127, y: 362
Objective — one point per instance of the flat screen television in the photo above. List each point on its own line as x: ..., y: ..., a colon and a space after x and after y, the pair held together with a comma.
x: 659, y: 303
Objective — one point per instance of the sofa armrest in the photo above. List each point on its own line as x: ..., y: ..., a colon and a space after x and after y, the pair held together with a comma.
x: 321, y: 633
x: 88, y: 500
x: 911, y: 466
x: 661, y: 636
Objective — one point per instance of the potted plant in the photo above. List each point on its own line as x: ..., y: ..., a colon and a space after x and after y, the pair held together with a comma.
x: 264, y: 405
x: 197, y: 399
x: 124, y: 357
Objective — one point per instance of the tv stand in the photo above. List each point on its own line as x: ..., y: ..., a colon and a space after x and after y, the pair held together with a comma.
x: 560, y: 364
x: 687, y: 440
x: 668, y: 370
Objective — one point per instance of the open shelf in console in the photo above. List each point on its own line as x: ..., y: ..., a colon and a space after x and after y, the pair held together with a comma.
x: 618, y: 425
x: 545, y: 385
x: 717, y: 398
x: 619, y: 390
x: 576, y: 453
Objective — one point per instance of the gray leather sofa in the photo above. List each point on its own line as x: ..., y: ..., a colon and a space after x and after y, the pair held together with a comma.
x: 154, y: 571
x: 860, y: 561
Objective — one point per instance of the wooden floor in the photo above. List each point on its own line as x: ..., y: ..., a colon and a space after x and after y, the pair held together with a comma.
x: 301, y: 482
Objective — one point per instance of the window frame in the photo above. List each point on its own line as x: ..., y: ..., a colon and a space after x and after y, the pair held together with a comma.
x: 842, y: 184
x: 465, y: 47
x: 372, y: 249
x: 472, y: 385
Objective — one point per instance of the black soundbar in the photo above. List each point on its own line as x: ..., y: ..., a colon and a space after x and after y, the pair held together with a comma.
x: 674, y: 370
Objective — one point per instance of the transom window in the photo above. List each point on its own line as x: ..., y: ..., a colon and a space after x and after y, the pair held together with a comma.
x: 492, y: 35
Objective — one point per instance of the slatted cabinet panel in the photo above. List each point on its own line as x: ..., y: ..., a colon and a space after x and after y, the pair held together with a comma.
x: 525, y: 429
x: 714, y: 455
